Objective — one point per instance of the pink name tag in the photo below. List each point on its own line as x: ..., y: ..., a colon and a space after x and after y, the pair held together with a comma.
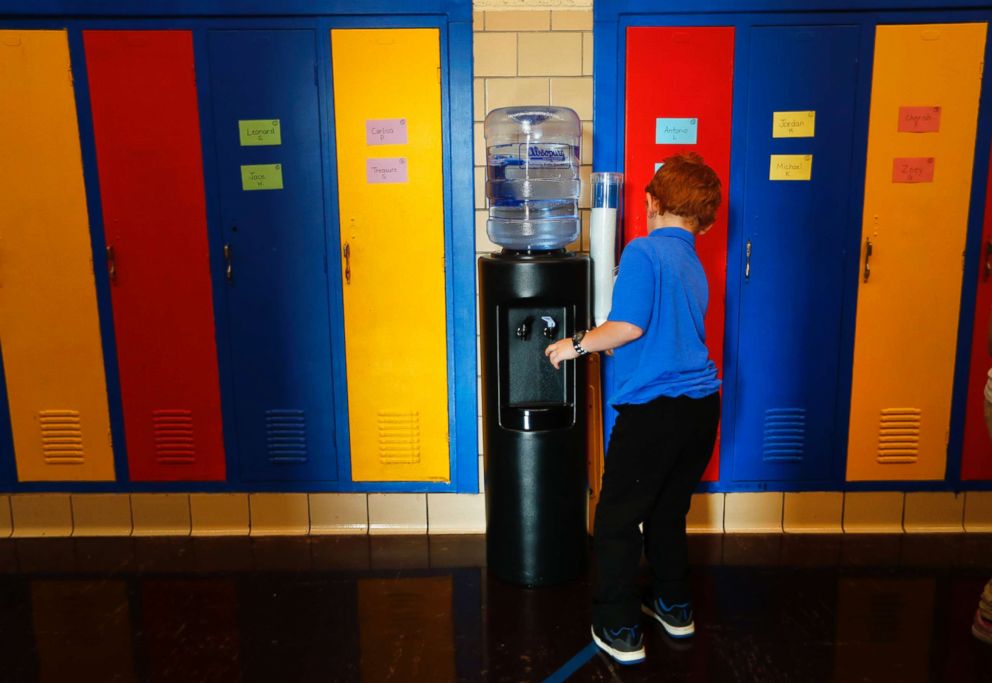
x: 385, y: 132
x: 919, y: 119
x: 385, y: 170
x: 912, y: 170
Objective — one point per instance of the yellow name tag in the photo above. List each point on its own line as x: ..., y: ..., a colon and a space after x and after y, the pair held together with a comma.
x: 793, y: 124
x: 258, y: 132
x: 261, y: 177
x: 791, y: 167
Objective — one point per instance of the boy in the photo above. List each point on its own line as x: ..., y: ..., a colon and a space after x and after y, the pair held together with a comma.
x: 668, y: 409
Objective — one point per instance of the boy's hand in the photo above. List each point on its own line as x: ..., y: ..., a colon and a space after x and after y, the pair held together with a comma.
x: 559, y: 351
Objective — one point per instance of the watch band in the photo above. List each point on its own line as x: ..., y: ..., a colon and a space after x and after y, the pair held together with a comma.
x: 576, y: 343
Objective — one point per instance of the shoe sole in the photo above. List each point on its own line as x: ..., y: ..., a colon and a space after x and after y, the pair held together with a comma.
x: 673, y: 631
x: 625, y: 658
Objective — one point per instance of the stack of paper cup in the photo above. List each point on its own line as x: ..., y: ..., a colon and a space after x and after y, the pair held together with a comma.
x: 603, y: 239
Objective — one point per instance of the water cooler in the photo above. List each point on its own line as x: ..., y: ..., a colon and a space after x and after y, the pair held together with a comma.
x: 533, y: 293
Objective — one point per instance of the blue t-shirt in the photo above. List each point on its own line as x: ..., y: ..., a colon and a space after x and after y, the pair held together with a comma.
x: 661, y: 288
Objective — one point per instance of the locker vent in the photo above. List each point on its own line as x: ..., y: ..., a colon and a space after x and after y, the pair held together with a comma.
x: 61, y: 437
x: 286, y: 436
x: 399, y: 437
x: 172, y: 431
x: 784, y: 438
x: 899, y: 435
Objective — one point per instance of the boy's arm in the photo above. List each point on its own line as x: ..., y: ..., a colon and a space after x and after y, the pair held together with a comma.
x: 609, y: 335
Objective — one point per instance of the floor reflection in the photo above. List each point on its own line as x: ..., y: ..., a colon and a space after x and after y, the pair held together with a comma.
x: 424, y: 609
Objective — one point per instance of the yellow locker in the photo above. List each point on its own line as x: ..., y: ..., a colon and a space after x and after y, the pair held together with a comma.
x: 913, y: 236
x: 49, y: 325
x: 387, y: 116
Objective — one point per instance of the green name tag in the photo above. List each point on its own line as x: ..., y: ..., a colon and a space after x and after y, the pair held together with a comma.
x: 261, y: 177
x: 257, y: 132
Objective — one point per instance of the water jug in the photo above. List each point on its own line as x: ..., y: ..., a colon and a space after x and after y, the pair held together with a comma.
x: 532, y: 177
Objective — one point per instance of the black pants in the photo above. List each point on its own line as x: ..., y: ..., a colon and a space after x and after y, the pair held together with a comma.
x: 657, y: 455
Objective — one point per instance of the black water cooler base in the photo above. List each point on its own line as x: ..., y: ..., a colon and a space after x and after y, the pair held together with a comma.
x: 536, y: 501
x: 534, y: 417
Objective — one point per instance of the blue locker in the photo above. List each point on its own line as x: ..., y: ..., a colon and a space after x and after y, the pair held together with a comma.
x: 793, y: 235
x: 7, y: 467
x: 272, y: 223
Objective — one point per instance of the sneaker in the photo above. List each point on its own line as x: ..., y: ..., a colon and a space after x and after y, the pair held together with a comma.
x: 982, y: 628
x: 626, y: 644
x: 676, y: 619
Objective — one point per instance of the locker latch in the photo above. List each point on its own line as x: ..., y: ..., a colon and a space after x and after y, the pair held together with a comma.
x: 868, y: 249
x: 111, y: 263
x: 988, y: 261
x: 228, y: 261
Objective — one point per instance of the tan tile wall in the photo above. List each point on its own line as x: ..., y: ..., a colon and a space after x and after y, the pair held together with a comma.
x: 532, y: 57
x: 293, y: 514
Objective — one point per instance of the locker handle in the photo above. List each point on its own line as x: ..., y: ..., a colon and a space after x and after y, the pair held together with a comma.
x: 747, y: 261
x: 868, y: 250
x: 111, y: 263
x: 346, y: 250
x: 988, y: 261
x: 228, y: 260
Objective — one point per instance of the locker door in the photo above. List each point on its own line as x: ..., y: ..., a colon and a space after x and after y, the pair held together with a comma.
x: 147, y: 130
x: 53, y: 358
x: 794, y: 233
x: 392, y: 240
x: 682, y: 73
x: 907, y: 318
x: 272, y: 223
x: 976, y: 460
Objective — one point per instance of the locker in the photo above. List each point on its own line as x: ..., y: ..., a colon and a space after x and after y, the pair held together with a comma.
x: 913, y: 236
x: 147, y: 131
x: 49, y: 323
x: 976, y: 458
x: 676, y: 72
x: 392, y: 246
x: 7, y: 465
x: 273, y: 239
x: 793, y: 238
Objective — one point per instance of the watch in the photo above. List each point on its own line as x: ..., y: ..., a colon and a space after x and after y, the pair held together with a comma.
x: 577, y: 342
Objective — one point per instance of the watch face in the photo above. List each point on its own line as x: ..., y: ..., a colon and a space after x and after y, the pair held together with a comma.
x: 579, y: 336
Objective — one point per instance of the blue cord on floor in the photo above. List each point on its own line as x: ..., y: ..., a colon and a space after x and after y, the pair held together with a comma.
x: 573, y: 665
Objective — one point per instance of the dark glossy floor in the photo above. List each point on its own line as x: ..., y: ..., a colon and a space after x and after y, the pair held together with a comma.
x: 769, y: 608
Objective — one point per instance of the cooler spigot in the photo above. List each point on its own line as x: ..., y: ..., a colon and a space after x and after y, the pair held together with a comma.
x: 523, y: 332
x: 550, y: 327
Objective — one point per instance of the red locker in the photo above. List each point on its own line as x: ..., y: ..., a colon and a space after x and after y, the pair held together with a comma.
x: 147, y: 129
x: 676, y: 72
x: 976, y: 460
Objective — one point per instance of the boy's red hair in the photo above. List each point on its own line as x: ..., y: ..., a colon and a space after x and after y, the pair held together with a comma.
x: 687, y: 187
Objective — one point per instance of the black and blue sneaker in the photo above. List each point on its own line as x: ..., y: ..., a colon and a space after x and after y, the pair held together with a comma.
x: 625, y: 645
x: 676, y: 619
